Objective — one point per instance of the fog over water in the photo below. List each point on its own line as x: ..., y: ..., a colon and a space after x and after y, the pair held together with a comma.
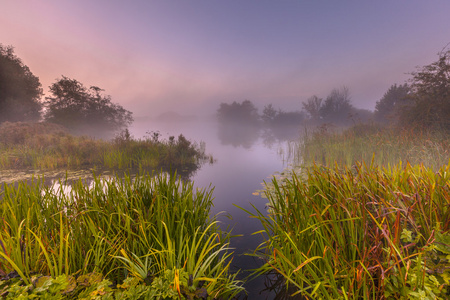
x: 172, y: 64
x: 239, y: 170
x: 189, y: 57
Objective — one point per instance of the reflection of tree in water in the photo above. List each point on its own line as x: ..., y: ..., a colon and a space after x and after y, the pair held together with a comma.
x: 276, y: 284
x: 69, y: 177
x: 238, y: 134
x: 277, y: 134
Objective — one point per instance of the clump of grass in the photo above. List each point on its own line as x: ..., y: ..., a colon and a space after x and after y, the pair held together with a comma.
x: 362, y: 232
x: 49, y: 147
x: 367, y: 142
x: 154, y: 229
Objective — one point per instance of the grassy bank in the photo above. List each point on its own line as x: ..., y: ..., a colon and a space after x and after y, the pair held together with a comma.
x: 49, y: 147
x: 367, y: 143
x: 361, y: 233
x: 353, y: 221
x: 146, y: 238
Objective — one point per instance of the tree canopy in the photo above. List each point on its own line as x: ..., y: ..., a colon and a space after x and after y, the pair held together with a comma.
x: 312, y: 107
x: 20, y: 90
x: 430, y: 95
x: 390, y: 105
x: 243, y: 113
x: 337, y: 106
x: 84, y: 109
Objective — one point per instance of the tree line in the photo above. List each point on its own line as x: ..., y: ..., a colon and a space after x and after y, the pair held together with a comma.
x: 69, y: 102
x: 336, y: 108
x: 423, y: 102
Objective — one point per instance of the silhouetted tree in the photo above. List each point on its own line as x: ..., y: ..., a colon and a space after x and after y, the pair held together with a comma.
x: 430, y: 95
x: 312, y: 107
x: 243, y: 113
x: 337, y: 107
x: 20, y: 90
x: 269, y: 114
x: 390, y: 105
x: 84, y: 110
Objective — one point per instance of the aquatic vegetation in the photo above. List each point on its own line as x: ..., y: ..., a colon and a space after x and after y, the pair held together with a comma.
x: 360, y: 232
x: 151, y: 235
x: 48, y: 146
x: 371, y: 143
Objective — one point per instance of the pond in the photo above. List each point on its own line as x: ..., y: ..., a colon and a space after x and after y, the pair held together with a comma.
x: 245, y: 158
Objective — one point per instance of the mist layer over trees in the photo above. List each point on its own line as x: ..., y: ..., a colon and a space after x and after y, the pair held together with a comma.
x: 422, y: 103
x: 240, y: 123
x: 80, y: 109
x: 389, y: 107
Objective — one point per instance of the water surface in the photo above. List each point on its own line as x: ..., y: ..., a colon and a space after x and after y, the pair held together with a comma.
x: 245, y: 158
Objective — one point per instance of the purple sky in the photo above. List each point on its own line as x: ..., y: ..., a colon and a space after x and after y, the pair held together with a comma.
x: 188, y: 56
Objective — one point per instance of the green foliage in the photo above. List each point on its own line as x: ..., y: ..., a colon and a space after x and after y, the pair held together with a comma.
x: 20, y: 90
x: 83, y: 287
x: 84, y: 110
x: 360, y: 233
x: 50, y: 146
x: 115, y: 229
x: 430, y: 94
x: 372, y: 143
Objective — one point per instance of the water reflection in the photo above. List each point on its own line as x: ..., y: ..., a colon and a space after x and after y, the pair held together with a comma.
x: 239, y: 135
x: 275, y: 285
x: 245, y: 156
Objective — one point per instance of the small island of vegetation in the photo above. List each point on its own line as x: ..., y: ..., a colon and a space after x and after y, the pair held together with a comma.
x: 77, y: 127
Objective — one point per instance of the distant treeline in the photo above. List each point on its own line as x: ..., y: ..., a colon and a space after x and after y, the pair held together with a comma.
x: 80, y: 109
x: 337, y: 108
x: 423, y: 102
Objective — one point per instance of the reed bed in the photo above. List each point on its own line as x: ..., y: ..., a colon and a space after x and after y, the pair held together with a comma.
x: 362, y: 232
x: 142, y: 238
x: 50, y: 147
x: 369, y: 142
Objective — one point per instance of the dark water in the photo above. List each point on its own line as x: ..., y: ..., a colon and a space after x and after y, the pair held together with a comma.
x: 245, y: 158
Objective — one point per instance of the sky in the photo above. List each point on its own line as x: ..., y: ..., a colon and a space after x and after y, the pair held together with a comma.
x: 190, y: 56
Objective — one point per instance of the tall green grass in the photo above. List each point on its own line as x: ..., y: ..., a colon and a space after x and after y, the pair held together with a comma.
x: 351, y: 221
x: 49, y: 147
x: 369, y: 142
x: 155, y: 229
x: 361, y: 232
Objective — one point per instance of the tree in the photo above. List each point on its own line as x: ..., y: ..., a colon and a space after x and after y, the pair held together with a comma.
x: 337, y: 107
x: 242, y: 113
x: 390, y: 105
x: 312, y: 107
x: 84, y: 110
x: 269, y: 114
x: 430, y: 95
x: 20, y: 90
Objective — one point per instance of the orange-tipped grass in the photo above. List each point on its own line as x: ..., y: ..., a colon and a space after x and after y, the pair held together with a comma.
x: 335, y: 233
